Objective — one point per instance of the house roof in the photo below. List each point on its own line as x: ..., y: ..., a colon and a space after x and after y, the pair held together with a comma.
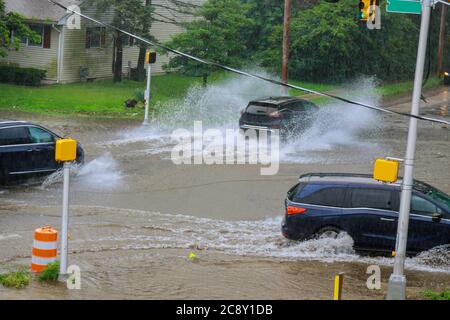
x: 40, y: 10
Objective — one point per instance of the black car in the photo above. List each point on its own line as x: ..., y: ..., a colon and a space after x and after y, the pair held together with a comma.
x: 28, y: 150
x: 367, y: 210
x: 290, y: 115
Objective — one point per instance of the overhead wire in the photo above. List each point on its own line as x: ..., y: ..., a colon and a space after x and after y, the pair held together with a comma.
x: 250, y: 75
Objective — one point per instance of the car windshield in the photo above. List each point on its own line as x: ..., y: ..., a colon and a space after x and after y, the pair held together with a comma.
x: 261, y: 108
x: 434, y: 193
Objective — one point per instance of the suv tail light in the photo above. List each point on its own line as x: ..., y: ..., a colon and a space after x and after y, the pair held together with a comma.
x: 242, y: 111
x: 291, y: 210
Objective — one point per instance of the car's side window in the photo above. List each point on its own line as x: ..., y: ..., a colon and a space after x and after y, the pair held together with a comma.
x: 371, y: 198
x: 296, y: 106
x: 321, y: 195
x: 14, y: 136
x: 39, y: 135
x: 422, y: 206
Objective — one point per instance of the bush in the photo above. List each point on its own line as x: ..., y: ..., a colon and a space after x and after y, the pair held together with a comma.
x: 50, y: 273
x: 21, y: 76
x: 17, y: 279
x: 444, y: 295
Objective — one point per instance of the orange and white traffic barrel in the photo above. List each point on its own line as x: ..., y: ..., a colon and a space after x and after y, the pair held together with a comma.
x: 44, y: 248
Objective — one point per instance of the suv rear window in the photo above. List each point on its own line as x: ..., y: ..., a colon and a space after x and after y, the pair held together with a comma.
x: 318, y: 194
x: 13, y: 136
x: 371, y: 198
x: 260, y: 108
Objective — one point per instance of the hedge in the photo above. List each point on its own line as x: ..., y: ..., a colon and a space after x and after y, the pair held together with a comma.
x: 21, y: 76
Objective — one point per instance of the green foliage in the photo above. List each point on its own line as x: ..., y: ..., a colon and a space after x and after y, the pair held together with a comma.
x: 12, y: 23
x: 444, y: 295
x: 218, y: 35
x: 21, y: 76
x: 50, y: 273
x: 15, y: 279
x: 327, y: 42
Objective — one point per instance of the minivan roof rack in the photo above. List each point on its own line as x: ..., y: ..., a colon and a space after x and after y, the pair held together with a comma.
x: 323, y: 174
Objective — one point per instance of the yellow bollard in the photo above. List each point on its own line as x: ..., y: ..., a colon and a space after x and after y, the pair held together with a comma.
x: 338, y: 281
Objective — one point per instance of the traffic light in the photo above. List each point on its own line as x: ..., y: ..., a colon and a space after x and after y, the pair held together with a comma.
x: 364, y: 10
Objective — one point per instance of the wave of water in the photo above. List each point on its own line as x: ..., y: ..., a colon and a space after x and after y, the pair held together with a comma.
x: 260, y: 238
x: 102, y: 173
x: 337, y: 127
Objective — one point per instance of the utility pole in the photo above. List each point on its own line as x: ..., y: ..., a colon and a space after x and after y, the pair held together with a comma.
x: 397, y: 280
x: 285, y: 63
x: 440, y: 55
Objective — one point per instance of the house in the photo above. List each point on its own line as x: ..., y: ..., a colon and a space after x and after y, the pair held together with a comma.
x: 72, y: 55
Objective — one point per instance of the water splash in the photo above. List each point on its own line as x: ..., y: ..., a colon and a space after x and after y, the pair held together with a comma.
x: 101, y: 173
x: 259, y: 238
x: 338, y: 132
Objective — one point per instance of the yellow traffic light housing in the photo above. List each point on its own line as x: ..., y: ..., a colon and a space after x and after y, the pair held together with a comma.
x: 364, y: 9
x: 386, y: 170
x: 66, y: 150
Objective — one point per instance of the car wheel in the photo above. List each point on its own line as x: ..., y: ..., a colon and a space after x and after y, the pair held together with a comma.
x: 328, y: 233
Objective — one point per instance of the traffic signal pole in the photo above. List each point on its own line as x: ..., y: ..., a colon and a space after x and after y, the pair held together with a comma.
x: 397, y: 280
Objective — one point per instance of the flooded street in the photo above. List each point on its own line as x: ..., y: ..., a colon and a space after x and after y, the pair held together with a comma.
x: 135, y: 216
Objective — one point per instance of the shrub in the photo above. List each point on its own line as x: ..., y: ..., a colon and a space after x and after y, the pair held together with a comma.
x: 50, y: 273
x: 444, y: 295
x: 21, y: 76
x: 16, y: 279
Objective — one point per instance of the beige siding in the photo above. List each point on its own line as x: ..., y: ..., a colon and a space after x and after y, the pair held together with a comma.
x: 98, y: 61
x: 162, y: 32
x: 36, y: 57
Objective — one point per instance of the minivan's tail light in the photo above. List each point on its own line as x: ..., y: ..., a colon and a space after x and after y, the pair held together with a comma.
x: 291, y: 210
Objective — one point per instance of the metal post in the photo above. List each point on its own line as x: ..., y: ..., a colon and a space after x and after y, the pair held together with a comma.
x: 147, y: 93
x: 65, y: 223
x: 397, y: 281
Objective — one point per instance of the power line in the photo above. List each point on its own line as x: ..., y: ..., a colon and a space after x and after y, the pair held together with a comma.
x: 250, y: 75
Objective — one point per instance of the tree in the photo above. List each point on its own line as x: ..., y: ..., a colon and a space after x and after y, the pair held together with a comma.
x: 219, y: 34
x: 12, y: 30
x: 134, y: 16
x: 338, y: 48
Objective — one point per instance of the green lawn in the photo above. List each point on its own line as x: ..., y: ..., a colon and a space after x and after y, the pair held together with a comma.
x: 106, y: 99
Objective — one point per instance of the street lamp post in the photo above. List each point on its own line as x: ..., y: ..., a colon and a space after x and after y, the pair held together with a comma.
x: 397, y: 280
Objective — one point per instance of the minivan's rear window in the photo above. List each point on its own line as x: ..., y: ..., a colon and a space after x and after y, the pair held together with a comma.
x: 371, y: 198
x: 318, y: 194
x: 261, y: 108
x: 14, y: 136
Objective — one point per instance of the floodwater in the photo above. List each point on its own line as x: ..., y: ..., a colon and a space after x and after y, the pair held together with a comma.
x: 135, y: 216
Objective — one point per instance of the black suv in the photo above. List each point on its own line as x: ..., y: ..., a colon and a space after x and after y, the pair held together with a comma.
x: 28, y: 150
x: 290, y: 115
x: 367, y: 210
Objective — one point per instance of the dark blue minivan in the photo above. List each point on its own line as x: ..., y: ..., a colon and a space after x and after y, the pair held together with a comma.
x: 367, y: 210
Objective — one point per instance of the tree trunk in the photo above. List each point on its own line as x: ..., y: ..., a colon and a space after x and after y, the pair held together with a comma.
x: 118, y: 56
x: 143, y: 48
x: 440, y: 56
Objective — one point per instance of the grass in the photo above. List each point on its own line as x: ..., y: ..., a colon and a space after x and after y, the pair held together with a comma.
x: 50, y: 273
x: 106, y: 99
x: 16, y: 279
x: 395, y: 88
x: 444, y: 295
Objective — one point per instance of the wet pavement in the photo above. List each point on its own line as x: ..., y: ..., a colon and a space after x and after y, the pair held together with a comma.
x: 135, y: 215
